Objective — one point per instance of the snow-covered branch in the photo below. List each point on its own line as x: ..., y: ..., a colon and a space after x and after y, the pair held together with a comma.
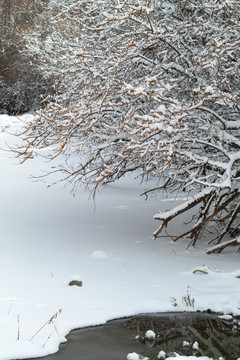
x: 147, y: 89
x: 220, y: 247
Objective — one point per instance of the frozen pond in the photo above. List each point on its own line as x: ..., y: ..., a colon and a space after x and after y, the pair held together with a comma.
x: 49, y: 238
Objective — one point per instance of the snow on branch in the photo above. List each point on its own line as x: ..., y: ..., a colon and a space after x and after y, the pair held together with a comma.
x: 220, y: 247
x: 193, y: 201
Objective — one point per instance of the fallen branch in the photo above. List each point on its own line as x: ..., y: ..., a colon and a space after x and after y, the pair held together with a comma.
x: 199, y: 270
x: 218, y: 248
x: 187, y: 205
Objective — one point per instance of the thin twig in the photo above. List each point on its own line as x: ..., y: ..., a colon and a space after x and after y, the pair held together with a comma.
x: 50, y: 321
x: 48, y: 338
x: 18, y: 321
x: 10, y: 307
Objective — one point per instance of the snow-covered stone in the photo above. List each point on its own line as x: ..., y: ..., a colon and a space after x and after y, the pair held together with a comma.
x: 161, y: 354
x: 133, y: 356
x: 150, y: 335
x: 225, y: 317
x: 195, y: 345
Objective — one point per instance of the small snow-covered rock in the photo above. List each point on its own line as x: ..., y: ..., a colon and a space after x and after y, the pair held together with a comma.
x: 186, y: 343
x: 161, y: 355
x: 75, y: 283
x: 195, y: 345
x: 133, y: 356
x: 225, y: 317
x: 150, y: 335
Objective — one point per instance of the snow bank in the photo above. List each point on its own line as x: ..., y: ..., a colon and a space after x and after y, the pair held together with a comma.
x: 13, y: 123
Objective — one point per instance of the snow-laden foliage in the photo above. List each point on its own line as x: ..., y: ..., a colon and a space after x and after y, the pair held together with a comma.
x: 146, y: 86
x: 24, y: 94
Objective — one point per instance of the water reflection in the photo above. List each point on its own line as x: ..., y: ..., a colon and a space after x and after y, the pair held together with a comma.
x: 175, y: 332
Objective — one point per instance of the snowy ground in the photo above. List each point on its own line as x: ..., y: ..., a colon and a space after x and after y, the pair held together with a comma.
x: 49, y: 237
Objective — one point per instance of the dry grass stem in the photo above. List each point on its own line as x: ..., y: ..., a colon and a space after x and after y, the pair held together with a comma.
x: 188, y: 299
x: 50, y: 321
x: 49, y: 337
x: 10, y: 307
x: 18, y: 321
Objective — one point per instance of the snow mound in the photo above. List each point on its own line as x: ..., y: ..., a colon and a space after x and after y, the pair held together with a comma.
x: 99, y: 254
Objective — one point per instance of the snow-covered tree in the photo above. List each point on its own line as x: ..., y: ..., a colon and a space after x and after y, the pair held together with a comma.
x: 150, y: 87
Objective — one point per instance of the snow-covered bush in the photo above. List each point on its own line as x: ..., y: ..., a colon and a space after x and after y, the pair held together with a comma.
x: 24, y: 94
x: 22, y: 87
x: 151, y: 87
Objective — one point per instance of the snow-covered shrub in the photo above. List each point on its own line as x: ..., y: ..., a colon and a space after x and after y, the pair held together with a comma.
x: 22, y: 88
x: 23, y: 95
x: 151, y: 87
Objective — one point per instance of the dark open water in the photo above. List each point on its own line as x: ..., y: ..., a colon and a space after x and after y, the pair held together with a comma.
x: 114, y: 340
